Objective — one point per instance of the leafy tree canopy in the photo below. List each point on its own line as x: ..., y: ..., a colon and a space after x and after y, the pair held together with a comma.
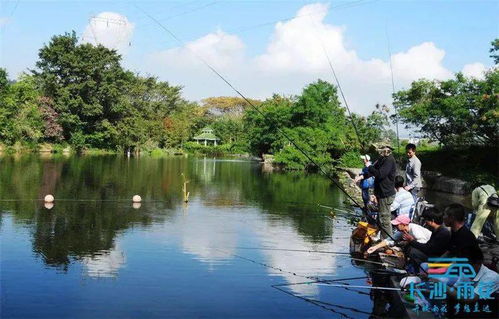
x: 460, y: 111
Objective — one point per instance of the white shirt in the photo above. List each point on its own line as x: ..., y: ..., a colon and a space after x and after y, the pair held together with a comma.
x: 420, y: 234
x: 403, y: 202
x: 413, y: 172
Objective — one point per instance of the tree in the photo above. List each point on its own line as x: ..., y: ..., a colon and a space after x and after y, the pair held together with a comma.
x: 460, y: 111
x: 20, y: 118
x: 314, y: 122
x: 373, y: 128
x: 86, y: 83
x: 494, y: 51
x: 262, y: 126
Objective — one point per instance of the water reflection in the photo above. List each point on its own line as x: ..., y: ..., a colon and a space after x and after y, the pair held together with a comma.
x: 233, y: 205
x: 104, y: 264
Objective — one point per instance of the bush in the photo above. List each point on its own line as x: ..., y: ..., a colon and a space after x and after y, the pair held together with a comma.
x: 351, y: 159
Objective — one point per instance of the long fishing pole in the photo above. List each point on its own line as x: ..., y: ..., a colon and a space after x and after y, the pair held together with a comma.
x: 323, y: 304
x: 295, y: 250
x: 312, y: 161
x: 393, y: 89
x: 378, y: 223
x: 358, y: 286
x: 341, y: 90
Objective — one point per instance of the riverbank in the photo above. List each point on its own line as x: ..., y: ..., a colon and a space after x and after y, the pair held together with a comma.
x: 65, y: 149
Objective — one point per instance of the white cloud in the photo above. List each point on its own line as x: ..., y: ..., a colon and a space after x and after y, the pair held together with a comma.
x: 475, y: 70
x: 105, y: 263
x: 110, y: 29
x: 293, y: 58
x: 421, y: 61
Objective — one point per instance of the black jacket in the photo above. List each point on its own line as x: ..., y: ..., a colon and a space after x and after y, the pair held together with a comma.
x: 383, y: 170
x: 437, y: 245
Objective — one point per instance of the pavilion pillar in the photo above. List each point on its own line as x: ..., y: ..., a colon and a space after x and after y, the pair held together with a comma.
x: 204, y: 142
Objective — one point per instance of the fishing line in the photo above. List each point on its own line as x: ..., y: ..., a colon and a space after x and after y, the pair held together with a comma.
x: 349, y: 113
x: 322, y: 304
x: 339, y: 85
x: 295, y: 250
x: 321, y: 169
x: 242, y: 29
x: 393, y: 88
x: 325, y: 280
x: 358, y: 286
x: 272, y: 267
x: 328, y: 281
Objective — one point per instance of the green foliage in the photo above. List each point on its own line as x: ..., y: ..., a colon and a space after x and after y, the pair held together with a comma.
x: 20, y: 118
x: 373, y: 128
x: 219, y: 150
x: 351, y: 159
x: 460, y: 111
x: 314, y: 121
x: 262, y: 126
x: 494, y: 51
x: 86, y: 83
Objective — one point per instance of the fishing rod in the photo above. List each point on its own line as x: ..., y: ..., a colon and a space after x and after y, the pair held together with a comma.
x: 273, y: 267
x: 295, y: 250
x: 323, y: 304
x: 256, y: 109
x: 393, y: 88
x: 281, y: 131
x: 378, y: 223
x: 359, y: 286
x: 325, y: 280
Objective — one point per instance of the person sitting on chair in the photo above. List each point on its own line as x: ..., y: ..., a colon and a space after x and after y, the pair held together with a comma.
x: 404, y: 226
x: 436, y: 245
x: 404, y: 201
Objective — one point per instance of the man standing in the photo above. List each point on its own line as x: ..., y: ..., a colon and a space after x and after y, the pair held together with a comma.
x: 384, y: 170
x: 413, y: 171
x: 484, y: 210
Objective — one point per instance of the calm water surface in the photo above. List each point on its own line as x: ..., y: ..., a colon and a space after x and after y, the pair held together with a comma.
x: 99, y: 257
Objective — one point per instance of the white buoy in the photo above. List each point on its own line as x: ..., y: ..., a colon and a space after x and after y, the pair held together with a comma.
x: 136, y: 205
x: 136, y: 199
x: 49, y: 198
x: 48, y: 205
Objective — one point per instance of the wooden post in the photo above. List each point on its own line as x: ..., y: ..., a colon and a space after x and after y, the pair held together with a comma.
x: 184, y: 189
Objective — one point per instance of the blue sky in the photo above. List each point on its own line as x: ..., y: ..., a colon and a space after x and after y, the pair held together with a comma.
x: 446, y: 36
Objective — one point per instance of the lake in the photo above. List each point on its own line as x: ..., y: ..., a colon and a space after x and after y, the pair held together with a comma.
x: 238, y: 249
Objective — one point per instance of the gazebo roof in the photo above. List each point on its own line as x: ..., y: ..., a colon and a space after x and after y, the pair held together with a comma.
x: 207, y: 134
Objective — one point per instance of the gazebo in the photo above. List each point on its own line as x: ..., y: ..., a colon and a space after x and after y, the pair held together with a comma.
x: 206, y: 137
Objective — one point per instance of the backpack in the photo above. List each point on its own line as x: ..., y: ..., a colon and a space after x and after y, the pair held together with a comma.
x: 492, y: 200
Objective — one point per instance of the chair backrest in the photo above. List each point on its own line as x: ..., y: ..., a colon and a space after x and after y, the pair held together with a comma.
x: 420, y: 206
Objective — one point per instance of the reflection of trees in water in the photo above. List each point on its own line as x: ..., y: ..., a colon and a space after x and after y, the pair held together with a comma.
x: 81, y: 230
x: 294, y: 195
